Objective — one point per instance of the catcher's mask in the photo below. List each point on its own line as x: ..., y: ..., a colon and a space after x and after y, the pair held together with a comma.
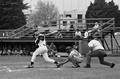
x: 41, y: 37
x: 68, y: 49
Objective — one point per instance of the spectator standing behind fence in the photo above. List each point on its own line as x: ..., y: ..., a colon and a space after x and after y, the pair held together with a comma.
x: 96, y: 27
x: 78, y: 34
x: 59, y: 35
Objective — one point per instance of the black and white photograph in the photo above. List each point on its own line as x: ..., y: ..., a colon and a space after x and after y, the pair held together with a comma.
x: 59, y: 39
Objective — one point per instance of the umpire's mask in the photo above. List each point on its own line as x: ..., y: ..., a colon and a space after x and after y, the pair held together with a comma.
x: 41, y: 37
x: 68, y: 49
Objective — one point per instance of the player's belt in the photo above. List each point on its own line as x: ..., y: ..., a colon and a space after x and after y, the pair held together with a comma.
x: 43, y: 45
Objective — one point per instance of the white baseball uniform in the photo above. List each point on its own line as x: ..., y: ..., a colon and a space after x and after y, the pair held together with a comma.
x: 42, y: 50
x: 75, y: 56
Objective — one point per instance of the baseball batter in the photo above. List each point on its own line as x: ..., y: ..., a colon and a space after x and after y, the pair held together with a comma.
x: 41, y: 50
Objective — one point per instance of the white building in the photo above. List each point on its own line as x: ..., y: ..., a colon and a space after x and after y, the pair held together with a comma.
x: 75, y: 18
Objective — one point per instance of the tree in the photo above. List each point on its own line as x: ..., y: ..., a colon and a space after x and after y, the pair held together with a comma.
x: 11, y: 15
x: 102, y: 9
x: 45, y: 12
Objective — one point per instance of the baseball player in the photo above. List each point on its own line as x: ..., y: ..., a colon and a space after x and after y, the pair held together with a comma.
x: 42, y: 50
x: 73, y: 56
x: 96, y: 50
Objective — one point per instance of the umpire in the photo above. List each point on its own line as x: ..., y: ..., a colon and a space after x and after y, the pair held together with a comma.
x: 96, y: 50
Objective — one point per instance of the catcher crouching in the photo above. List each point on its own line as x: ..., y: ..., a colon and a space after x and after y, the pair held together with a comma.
x: 73, y: 56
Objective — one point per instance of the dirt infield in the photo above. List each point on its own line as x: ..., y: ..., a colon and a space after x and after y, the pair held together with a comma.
x: 13, y: 67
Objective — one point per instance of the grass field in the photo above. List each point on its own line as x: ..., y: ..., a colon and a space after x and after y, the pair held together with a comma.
x: 13, y: 67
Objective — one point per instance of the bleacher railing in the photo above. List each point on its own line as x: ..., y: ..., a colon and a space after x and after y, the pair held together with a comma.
x: 5, y: 33
x: 17, y: 33
x: 106, y: 27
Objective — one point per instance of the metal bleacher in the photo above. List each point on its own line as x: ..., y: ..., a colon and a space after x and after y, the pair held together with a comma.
x: 22, y: 31
x: 17, y: 33
x: 108, y: 39
x: 106, y: 28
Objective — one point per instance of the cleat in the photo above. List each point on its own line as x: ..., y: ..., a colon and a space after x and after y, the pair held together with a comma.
x: 58, y: 65
x: 87, y: 66
x: 30, y: 66
x: 112, y: 66
x: 75, y: 66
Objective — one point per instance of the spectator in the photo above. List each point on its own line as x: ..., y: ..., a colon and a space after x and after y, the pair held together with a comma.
x: 96, y: 27
x: 0, y: 52
x: 78, y: 34
x: 59, y: 35
x: 9, y: 51
x: 4, y: 51
x: 21, y: 52
x: 53, y: 49
x: 49, y: 50
x: 87, y: 33
x: 75, y: 46
x: 72, y: 28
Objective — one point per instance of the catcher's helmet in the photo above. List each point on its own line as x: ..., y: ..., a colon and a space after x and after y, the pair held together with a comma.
x: 68, y: 49
x: 41, y: 37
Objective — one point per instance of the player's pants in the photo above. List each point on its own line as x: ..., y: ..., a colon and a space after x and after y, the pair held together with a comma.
x: 100, y: 54
x: 75, y: 61
x: 42, y: 50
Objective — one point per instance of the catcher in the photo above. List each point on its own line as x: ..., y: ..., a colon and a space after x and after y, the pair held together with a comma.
x: 73, y: 56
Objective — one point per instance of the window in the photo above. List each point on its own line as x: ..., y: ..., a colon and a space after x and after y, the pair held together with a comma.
x: 79, y: 17
x: 72, y: 22
x: 53, y: 23
x: 64, y: 23
x: 68, y: 15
